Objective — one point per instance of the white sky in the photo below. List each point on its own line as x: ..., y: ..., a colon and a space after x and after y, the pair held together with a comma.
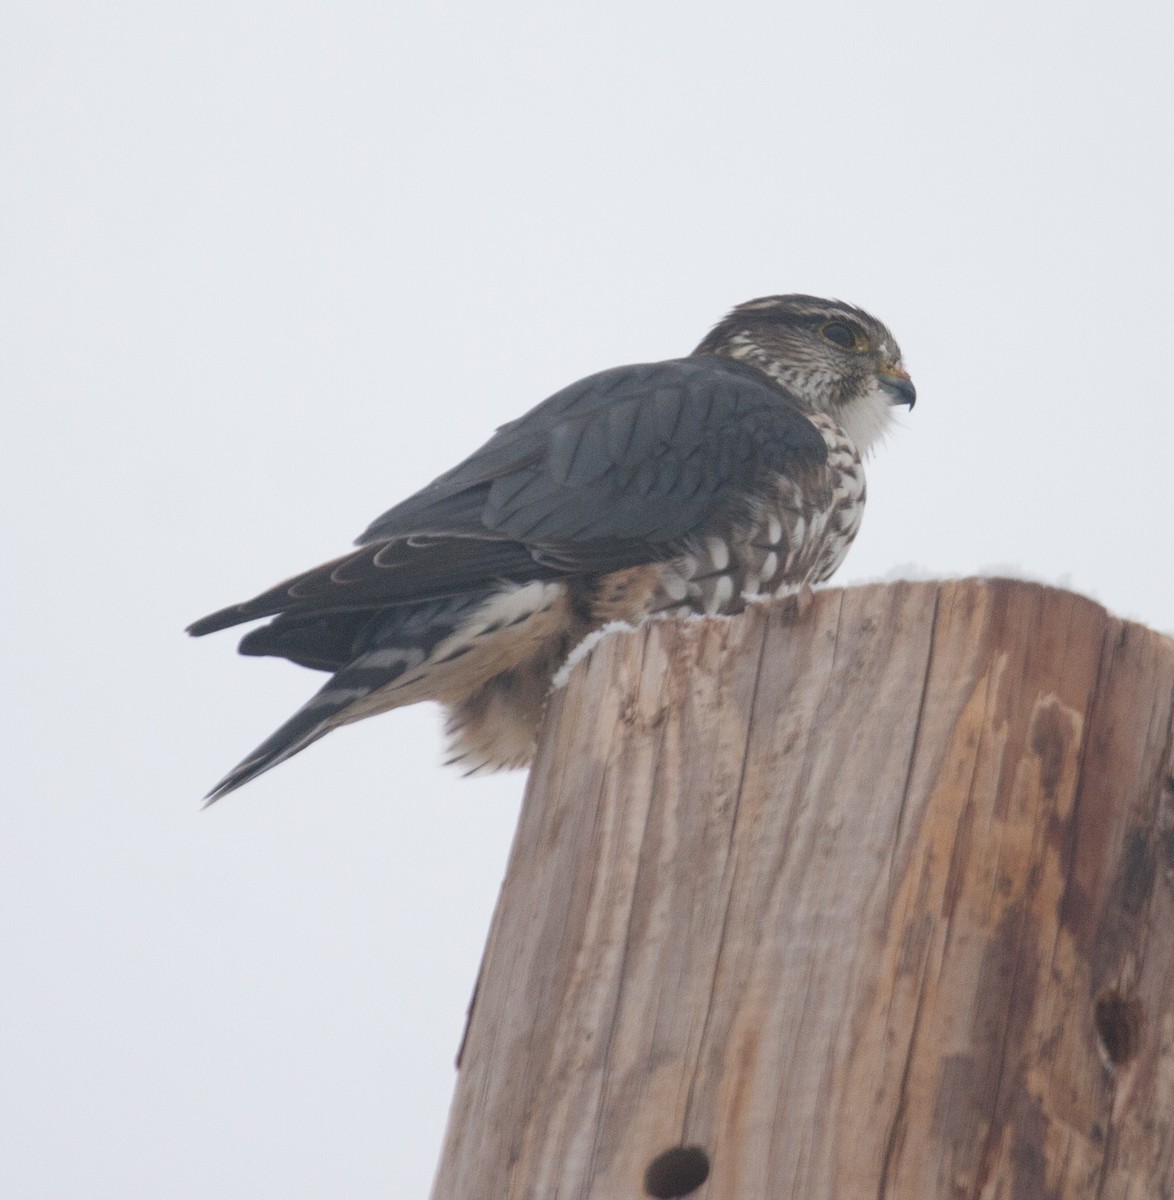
x: 269, y: 267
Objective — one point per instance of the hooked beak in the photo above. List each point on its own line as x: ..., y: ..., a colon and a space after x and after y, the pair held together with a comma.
x: 896, y: 381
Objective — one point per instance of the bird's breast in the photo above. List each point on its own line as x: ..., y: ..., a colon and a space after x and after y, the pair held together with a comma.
x: 798, y: 533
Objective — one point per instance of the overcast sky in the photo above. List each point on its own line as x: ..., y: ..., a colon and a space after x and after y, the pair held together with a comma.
x: 269, y: 267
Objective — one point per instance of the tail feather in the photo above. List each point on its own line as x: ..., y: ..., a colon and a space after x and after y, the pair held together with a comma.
x: 341, y: 700
x: 285, y: 743
x: 395, y: 658
x: 438, y: 650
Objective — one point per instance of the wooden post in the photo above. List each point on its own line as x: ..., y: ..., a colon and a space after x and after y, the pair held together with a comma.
x: 874, y: 905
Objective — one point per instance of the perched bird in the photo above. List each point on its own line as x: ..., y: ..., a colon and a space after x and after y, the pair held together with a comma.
x: 686, y: 486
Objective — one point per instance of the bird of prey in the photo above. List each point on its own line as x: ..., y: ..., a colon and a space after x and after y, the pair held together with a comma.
x: 692, y: 485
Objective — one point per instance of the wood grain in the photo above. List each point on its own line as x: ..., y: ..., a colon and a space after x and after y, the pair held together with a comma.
x: 875, y: 904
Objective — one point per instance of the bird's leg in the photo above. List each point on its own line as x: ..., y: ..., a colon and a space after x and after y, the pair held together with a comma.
x: 794, y: 606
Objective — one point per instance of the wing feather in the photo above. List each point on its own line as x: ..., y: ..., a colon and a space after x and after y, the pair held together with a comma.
x: 620, y: 468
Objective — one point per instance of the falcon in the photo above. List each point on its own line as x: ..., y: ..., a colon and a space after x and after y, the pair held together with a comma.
x: 691, y: 486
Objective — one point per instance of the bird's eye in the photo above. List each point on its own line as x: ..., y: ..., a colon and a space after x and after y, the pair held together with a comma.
x: 841, y: 335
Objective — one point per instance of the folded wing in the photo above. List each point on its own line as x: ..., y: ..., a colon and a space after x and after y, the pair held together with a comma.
x: 624, y: 467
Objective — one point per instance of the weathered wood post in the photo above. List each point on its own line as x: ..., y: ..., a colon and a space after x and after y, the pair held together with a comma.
x: 874, y: 906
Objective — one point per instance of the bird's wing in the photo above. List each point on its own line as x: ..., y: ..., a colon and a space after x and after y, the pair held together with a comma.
x: 623, y: 467
x: 640, y: 453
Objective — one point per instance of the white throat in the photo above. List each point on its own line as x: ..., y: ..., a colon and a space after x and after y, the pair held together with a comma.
x: 868, y: 419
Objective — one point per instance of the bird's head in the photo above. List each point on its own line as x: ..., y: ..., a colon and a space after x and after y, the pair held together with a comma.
x: 833, y: 356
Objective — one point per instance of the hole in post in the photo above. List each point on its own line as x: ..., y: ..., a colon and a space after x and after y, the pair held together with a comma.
x: 676, y: 1172
x: 1118, y: 1025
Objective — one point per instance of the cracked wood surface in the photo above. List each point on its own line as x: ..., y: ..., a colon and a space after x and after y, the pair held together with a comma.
x: 877, y: 905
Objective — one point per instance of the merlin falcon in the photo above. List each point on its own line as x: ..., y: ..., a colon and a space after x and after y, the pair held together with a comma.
x: 691, y: 486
